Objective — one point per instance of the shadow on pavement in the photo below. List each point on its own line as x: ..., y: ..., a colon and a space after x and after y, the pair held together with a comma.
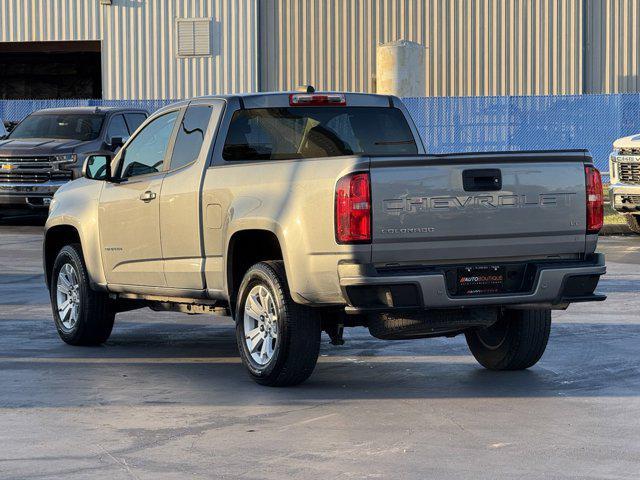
x: 24, y: 220
x: 161, y: 363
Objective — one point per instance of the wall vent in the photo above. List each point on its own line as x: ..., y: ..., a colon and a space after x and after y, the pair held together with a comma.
x: 193, y: 37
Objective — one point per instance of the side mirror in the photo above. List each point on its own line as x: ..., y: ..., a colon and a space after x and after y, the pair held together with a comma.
x: 97, y: 167
x: 116, y: 142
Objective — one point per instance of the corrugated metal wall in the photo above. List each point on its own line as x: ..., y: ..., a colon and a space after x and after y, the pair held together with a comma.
x: 475, y: 47
x: 138, y: 42
x: 613, y: 46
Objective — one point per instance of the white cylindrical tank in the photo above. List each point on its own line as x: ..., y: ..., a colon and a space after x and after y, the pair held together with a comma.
x: 400, y: 69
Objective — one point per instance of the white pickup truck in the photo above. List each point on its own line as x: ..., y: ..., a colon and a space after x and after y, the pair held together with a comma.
x: 624, y: 168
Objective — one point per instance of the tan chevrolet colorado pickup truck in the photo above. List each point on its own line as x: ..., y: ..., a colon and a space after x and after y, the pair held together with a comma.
x: 303, y: 212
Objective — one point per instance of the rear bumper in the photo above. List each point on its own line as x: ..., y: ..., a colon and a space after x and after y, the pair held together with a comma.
x: 625, y: 198
x: 555, y: 286
x: 28, y: 194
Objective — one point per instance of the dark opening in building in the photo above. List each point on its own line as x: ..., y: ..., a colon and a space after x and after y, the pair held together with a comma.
x: 50, y: 70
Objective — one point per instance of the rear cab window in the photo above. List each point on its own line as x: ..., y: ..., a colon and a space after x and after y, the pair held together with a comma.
x: 317, y: 132
x: 190, y: 136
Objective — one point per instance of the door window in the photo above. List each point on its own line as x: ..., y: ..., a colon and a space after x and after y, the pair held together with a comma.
x: 145, y: 153
x: 190, y: 136
x: 117, y: 128
x: 134, y: 120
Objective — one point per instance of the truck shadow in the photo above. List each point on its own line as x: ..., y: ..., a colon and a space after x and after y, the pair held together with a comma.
x: 23, y: 220
x: 197, y: 364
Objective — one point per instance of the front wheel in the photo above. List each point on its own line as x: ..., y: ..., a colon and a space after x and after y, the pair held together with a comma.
x: 278, y: 339
x: 634, y: 223
x: 515, y: 342
x: 82, y: 316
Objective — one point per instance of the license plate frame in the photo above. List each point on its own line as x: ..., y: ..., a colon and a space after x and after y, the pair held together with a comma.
x: 481, y: 280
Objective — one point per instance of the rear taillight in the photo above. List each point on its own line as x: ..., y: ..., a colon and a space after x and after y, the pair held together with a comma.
x: 353, y: 209
x: 317, y: 99
x: 595, y: 200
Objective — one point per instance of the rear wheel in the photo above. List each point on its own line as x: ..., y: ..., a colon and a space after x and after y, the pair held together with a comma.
x: 634, y: 223
x: 82, y: 316
x: 278, y: 339
x: 515, y: 342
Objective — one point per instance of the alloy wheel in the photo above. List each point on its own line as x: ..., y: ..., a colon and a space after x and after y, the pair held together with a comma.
x: 68, y: 296
x: 260, y: 325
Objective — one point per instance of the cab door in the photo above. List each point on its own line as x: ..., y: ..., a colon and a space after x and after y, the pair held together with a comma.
x: 180, y: 212
x: 129, y: 209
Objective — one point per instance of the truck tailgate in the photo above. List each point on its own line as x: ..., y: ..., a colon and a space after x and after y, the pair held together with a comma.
x: 478, y: 208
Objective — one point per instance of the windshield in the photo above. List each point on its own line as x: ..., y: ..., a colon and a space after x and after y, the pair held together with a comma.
x: 63, y: 125
x: 314, y: 132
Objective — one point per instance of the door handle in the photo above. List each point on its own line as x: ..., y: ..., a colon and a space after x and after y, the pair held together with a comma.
x: 482, y: 180
x: 147, y: 196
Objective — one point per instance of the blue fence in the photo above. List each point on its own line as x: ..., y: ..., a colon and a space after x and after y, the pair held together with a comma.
x: 472, y: 124
x: 18, y: 109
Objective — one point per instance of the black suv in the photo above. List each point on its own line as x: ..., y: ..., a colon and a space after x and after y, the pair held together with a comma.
x: 48, y: 148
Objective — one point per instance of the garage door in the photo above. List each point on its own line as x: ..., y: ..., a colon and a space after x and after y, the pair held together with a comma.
x: 50, y: 70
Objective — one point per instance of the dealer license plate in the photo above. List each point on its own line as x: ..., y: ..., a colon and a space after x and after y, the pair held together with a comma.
x: 481, y: 280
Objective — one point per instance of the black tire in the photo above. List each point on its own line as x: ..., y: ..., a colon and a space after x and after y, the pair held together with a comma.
x: 94, y: 313
x: 298, y: 328
x: 515, y: 342
x: 634, y: 223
